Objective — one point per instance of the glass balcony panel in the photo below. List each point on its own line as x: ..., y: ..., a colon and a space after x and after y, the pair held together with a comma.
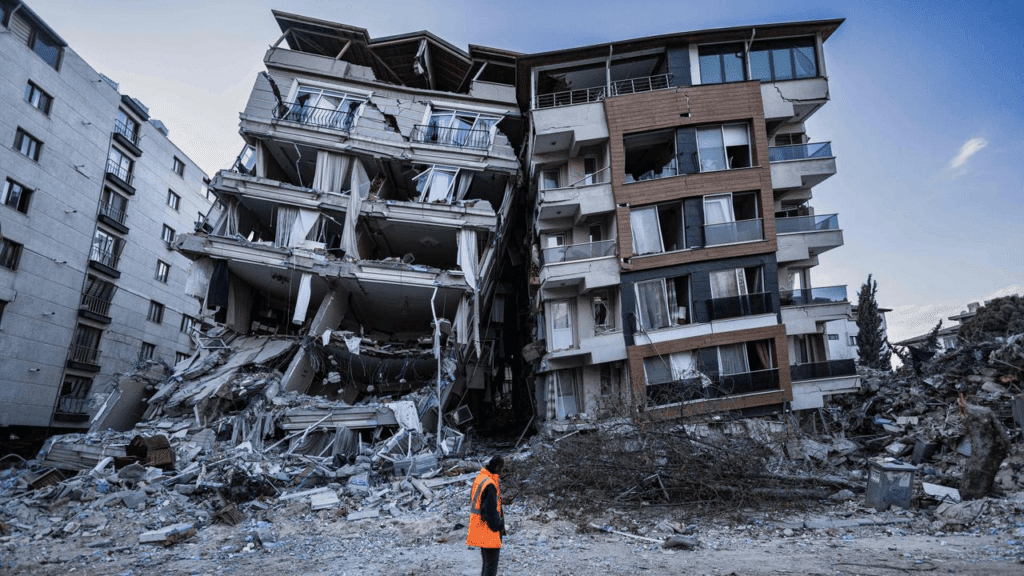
x: 731, y: 232
x: 800, y: 151
x: 742, y: 305
x: 819, y: 370
x: 582, y: 251
x: 808, y: 296
x: 813, y: 223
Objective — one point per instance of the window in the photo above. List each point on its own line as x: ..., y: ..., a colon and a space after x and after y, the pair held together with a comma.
x: 662, y: 302
x: 851, y: 340
x: 188, y: 324
x: 179, y: 167
x: 783, y: 59
x: 674, y: 378
x: 3, y: 304
x: 738, y: 292
x: 609, y: 379
x: 163, y: 270
x: 16, y: 196
x: 156, y: 312
x: 604, y: 320
x: 126, y: 126
x: 39, y: 99
x: 46, y: 46
x: 113, y: 206
x: 181, y: 357
x: 10, y: 254
x: 561, y: 325
x: 120, y: 165
x: 437, y: 184
x: 106, y: 248
x: 74, y: 395
x: 27, y: 144
x: 731, y: 218
x: 85, y: 345
x: 320, y: 107
x: 721, y: 63
x: 549, y: 179
x: 97, y: 295
x: 167, y: 235
x: 147, y: 352
x: 173, y: 200
x: 565, y: 394
x: 657, y: 228
x: 463, y: 129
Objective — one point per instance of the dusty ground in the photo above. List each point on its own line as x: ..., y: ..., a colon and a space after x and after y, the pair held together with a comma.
x: 291, y: 540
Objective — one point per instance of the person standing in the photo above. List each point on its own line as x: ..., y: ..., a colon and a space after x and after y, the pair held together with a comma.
x: 486, y: 520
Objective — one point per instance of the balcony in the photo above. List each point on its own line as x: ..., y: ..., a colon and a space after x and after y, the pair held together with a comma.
x: 804, y: 237
x: 595, y: 349
x: 637, y: 85
x: 71, y: 409
x: 120, y: 175
x: 576, y: 202
x: 569, y: 97
x: 803, y: 311
x: 566, y: 121
x: 812, y: 296
x: 95, y: 308
x: 821, y: 370
x: 127, y: 137
x: 113, y: 217
x: 84, y: 358
x: 454, y: 137
x: 733, y: 232
x: 105, y: 262
x: 742, y: 305
x: 318, y: 117
x: 749, y: 382
x: 792, y: 101
x: 582, y: 251
x: 696, y: 389
x: 801, y: 165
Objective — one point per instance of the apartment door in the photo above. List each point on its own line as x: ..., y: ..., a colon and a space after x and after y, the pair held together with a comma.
x: 561, y: 325
x: 565, y: 394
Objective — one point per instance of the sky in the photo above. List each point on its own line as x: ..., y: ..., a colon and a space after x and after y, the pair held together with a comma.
x: 925, y: 118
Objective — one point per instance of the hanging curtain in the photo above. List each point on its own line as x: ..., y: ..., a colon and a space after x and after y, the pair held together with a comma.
x: 734, y: 359
x: 764, y: 353
x: 227, y: 224
x: 467, y: 258
x: 286, y: 216
x: 219, y: 285
x: 360, y: 188
x: 462, y: 321
x: 682, y: 365
x: 302, y: 300
x: 199, y: 273
x: 261, y: 161
x: 331, y: 170
x: 643, y: 223
x: 653, y: 312
x: 465, y: 181
x: 304, y: 221
x: 724, y: 283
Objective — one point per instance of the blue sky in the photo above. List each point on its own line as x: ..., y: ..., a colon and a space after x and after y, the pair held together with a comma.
x: 925, y: 120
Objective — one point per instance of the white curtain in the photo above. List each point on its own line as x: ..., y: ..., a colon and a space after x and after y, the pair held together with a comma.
x: 304, y: 221
x: 682, y: 365
x: 360, y: 189
x: 302, y: 300
x: 286, y: 216
x: 651, y: 300
x: 465, y: 181
x: 728, y: 283
x: 467, y: 258
x: 331, y: 170
x: 646, y: 230
x: 462, y: 321
x: 227, y: 225
x: 718, y: 209
x: 734, y: 358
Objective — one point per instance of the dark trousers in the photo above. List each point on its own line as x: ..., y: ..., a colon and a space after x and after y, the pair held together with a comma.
x: 490, y: 558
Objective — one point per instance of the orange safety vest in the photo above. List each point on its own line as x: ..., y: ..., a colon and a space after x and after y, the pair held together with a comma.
x: 479, y: 533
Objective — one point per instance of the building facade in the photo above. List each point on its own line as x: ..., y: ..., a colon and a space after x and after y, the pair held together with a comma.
x: 673, y: 235
x: 93, y: 194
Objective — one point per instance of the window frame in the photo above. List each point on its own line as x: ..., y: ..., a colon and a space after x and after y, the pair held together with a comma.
x: 147, y: 351
x: 719, y: 51
x: 790, y: 46
x: 173, y: 200
x: 156, y: 312
x: 38, y: 98
x: 24, y: 195
x: 10, y: 253
x: 168, y: 234
x: 34, y: 148
x: 178, y: 167
x: 163, y: 271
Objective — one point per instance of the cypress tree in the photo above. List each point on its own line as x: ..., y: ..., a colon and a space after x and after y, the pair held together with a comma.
x: 872, y: 348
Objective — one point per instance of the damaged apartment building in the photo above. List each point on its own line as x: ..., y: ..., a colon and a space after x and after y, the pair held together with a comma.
x: 673, y: 231
x: 370, y: 213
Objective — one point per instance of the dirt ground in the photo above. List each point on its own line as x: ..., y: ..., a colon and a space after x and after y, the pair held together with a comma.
x: 840, y: 542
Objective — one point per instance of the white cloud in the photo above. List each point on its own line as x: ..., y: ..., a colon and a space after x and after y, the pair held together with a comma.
x: 970, y: 148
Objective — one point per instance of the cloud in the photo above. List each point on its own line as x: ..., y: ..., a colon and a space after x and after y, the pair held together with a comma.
x: 970, y: 148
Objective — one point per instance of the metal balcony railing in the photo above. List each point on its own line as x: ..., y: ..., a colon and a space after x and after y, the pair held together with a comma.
x: 635, y: 85
x: 126, y: 131
x: 732, y: 232
x: 70, y: 406
x: 115, y: 214
x: 582, y: 251
x: 312, y: 116
x: 570, y: 97
x: 122, y: 172
x: 808, y: 296
x: 813, y: 223
x: 677, y: 391
x: 742, y: 305
x: 104, y: 257
x: 449, y: 136
x: 85, y: 355
x: 800, y: 151
x: 95, y: 304
x: 818, y: 370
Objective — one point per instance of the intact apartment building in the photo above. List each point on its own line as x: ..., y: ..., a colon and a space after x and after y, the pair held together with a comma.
x: 372, y: 200
x: 674, y: 231
x: 93, y: 193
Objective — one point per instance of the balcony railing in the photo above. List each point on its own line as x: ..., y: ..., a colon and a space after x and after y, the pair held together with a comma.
x: 122, y: 172
x: 818, y: 370
x: 124, y: 130
x: 808, y: 296
x: 691, y: 389
x: 69, y: 408
x: 732, y: 232
x: 312, y: 116
x: 582, y: 251
x: 85, y: 355
x: 800, y: 152
x: 106, y: 258
x: 742, y: 305
x: 635, y: 85
x: 749, y: 382
x: 676, y: 391
x: 449, y: 136
x: 95, y: 304
x: 115, y: 214
x: 570, y: 97
x: 813, y: 223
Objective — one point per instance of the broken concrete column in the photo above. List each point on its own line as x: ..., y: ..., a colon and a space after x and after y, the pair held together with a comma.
x: 300, y: 372
x: 989, y: 446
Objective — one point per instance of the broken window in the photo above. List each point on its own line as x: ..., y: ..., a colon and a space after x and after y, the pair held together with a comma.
x: 650, y: 155
x: 687, y: 151
x: 721, y: 63
x: 323, y: 108
x: 604, y: 319
x: 97, y: 295
x: 590, y: 170
x: 732, y: 217
x: 85, y: 345
x: 783, y: 59
x: 672, y: 378
x: 437, y: 184
x: 455, y: 128
x: 566, y: 394
x: 16, y: 196
x: 147, y: 351
x: 561, y: 325
x: 748, y: 367
x: 106, y: 248
x: 657, y: 228
x: 663, y: 302
x: 74, y: 395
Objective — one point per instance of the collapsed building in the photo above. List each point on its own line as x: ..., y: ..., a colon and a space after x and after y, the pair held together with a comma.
x: 370, y: 211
